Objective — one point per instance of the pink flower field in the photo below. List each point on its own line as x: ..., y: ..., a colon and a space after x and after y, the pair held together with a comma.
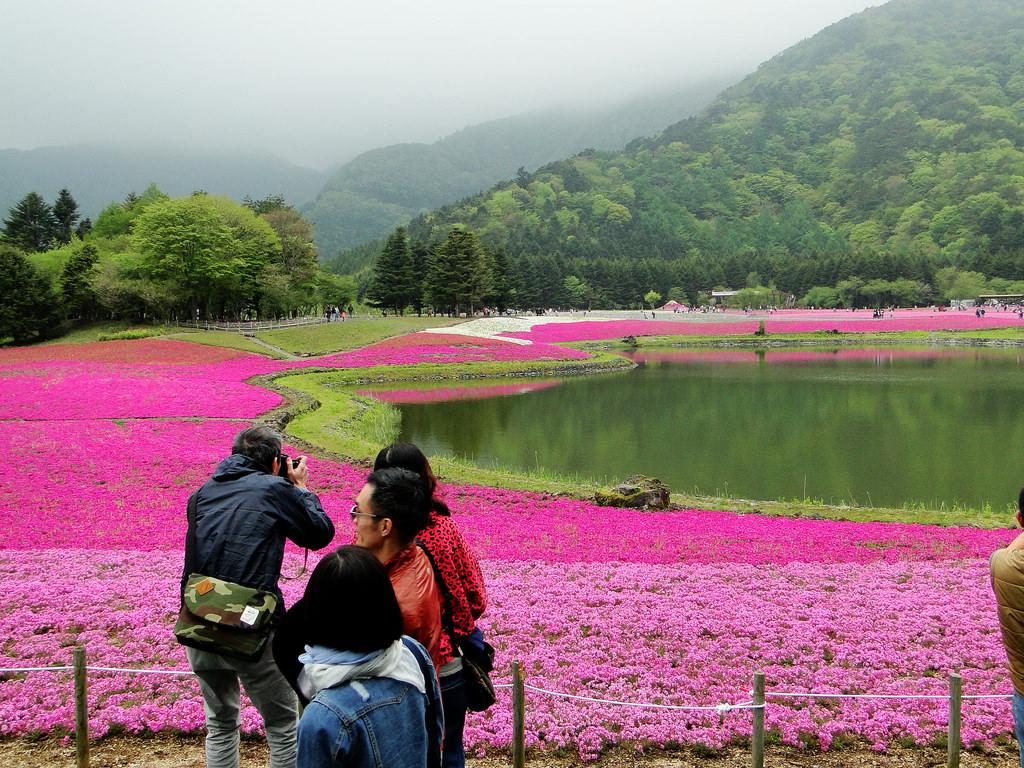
x: 444, y: 348
x: 786, y: 321
x: 106, y: 441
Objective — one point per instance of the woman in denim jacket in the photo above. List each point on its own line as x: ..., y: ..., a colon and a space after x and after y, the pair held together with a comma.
x: 374, y: 698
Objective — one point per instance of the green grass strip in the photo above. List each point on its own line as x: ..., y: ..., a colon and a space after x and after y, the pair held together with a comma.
x: 228, y: 339
x: 352, y: 334
x: 355, y: 427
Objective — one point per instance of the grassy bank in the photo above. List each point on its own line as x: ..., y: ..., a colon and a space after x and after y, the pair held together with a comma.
x: 352, y: 334
x: 328, y: 413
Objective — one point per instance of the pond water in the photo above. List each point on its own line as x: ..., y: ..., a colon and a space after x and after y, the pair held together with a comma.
x: 871, y: 426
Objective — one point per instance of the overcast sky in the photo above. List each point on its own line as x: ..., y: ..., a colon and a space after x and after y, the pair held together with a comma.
x: 317, y: 81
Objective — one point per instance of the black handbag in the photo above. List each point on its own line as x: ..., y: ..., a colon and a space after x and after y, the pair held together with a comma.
x: 477, y: 665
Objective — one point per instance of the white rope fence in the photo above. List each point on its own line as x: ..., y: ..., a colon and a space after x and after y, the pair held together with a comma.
x: 756, y: 705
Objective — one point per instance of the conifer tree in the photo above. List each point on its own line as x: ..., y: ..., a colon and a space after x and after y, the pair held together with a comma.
x: 29, y: 309
x: 30, y: 225
x: 65, y: 214
x: 393, y: 283
x: 419, y: 253
x: 503, y: 289
x: 458, y: 275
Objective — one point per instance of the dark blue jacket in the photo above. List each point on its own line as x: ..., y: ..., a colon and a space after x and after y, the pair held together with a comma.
x: 243, y: 516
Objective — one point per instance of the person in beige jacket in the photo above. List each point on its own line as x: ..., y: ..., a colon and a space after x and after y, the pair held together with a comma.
x: 1007, y: 567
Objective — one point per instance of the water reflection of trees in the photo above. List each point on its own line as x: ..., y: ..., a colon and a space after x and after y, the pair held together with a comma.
x: 945, y: 433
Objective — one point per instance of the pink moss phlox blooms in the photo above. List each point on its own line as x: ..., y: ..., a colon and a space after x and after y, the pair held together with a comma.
x: 126, y: 484
x: 673, y: 634
x: 673, y: 607
x: 443, y: 348
x: 738, y: 324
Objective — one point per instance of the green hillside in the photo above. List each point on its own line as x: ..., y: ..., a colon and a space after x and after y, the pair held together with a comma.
x: 369, y: 196
x: 888, y: 145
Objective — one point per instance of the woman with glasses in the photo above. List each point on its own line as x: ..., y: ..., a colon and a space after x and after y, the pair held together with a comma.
x: 463, y: 596
x: 373, y: 695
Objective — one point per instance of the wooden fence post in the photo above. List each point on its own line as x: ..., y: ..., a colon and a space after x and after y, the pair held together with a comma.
x: 518, y: 716
x: 757, y: 740
x: 953, y: 737
x: 81, y: 710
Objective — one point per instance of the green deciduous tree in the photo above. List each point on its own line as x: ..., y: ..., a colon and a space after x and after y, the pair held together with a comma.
x: 952, y: 284
x: 214, y: 251
x: 77, y: 294
x: 577, y: 291
x: 265, y: 205
x: 298, y: 253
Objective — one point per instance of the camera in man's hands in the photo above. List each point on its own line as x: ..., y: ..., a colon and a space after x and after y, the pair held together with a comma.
x: 282, y: 465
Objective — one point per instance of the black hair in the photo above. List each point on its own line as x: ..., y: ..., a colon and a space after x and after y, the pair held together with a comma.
x: 400, y: 494
x: 261, y: 444
x: 350, y: 603
x: 409, y: 456
x: 1020, y: 500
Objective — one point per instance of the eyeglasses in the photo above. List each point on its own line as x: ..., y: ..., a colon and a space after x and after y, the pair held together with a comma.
x: 354, y: 513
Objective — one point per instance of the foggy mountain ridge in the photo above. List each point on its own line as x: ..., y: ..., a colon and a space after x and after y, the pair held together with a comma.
x: 378, y: 190
x: 894, y: 135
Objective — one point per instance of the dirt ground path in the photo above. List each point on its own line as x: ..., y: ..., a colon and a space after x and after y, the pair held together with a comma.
x: 187, y: 752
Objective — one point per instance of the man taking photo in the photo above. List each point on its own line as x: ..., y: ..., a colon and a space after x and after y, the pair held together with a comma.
x: 1007, y: 567
x: 238, y: 523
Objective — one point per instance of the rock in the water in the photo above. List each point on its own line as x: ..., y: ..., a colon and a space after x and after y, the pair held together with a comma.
x: 637, y: 492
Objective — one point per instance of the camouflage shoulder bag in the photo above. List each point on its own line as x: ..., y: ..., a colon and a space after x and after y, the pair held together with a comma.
x: 220, y: 616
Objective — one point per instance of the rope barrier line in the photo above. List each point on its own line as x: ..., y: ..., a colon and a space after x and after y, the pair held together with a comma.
x: 181, y: 672
x: 757, y: 705
x: 13, y: 670
x: 558, y: 694
x: 716, y: 708
x: 942, y: 696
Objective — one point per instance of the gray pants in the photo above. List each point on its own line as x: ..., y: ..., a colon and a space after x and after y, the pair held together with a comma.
x: 270, y: 694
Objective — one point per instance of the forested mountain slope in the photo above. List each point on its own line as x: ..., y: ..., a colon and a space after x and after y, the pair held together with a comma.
x: 380, y: 189
x: 887, y: 144
x: 96, y: 175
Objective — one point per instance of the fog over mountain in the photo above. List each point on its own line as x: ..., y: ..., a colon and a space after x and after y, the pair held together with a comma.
x: 317, y: 82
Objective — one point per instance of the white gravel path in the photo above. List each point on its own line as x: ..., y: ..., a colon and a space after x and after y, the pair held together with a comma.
x: 490, y: 327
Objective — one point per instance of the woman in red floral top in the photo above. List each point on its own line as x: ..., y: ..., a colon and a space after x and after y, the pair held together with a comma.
x: 464, y: 596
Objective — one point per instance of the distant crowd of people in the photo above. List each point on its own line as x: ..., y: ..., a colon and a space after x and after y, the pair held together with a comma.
x: 335, y: 313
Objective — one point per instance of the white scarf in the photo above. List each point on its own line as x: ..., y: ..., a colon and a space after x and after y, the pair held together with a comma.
x: 328, y: 668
